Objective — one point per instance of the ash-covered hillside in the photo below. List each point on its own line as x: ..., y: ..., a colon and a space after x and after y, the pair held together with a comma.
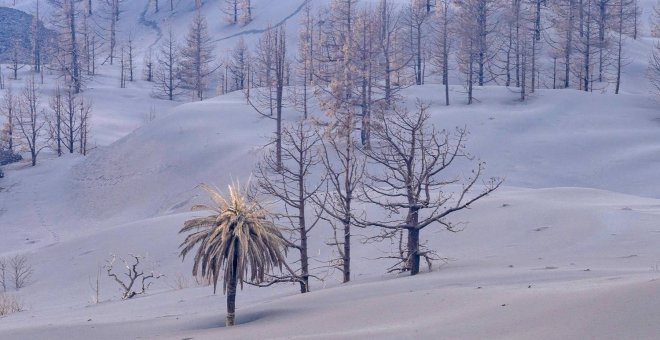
x: 17, y: 34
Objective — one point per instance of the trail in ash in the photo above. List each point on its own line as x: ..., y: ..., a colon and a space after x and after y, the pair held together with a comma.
x: 150, y: 24
x: 38, y: 203
x: 257, y: 31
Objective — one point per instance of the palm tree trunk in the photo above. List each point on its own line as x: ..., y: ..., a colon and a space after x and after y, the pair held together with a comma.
x: 231, y: 294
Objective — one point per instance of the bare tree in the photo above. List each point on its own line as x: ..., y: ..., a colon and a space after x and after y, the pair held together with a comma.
x: 122, y: 67
x: 21, y: 271
x: 238, y: 66
x: 149, y: 66
x: 109, y: 14
x: 410, y: 181
x: 271, y: 61
x: 30, y: 120
x: 197, y: 57
x: 167, y: 82
x: 416, y: 19
x: 17, y: 56
x: 66, y: 20
x: 246, y: 11
x: 344, y: 167
x: 130, y: 55
x: 68, y: 121
x: 389, y: 39
x: 8, y: 109
x: 305, y: 59
x: 442, y: 43
x: 653, y: 70
x: 475, y: 27
x: 654, y: 20
x: 289, y: 179
x: 37, y: 39
x: 56, y: 120
x: 136, y: 281
x: 84, y: 114
x: 4, y: 274
x: 231, y: 9
x: 622, y: 27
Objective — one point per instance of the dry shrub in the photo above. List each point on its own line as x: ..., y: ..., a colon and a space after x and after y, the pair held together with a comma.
x: 9, y: 304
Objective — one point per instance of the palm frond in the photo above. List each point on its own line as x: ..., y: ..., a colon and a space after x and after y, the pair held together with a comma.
x: 237, y: 232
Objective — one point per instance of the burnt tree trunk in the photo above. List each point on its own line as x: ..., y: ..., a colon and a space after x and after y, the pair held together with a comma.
x: 231, y: 292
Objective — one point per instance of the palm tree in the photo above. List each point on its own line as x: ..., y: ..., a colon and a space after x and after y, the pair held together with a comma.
x: 237, y: 237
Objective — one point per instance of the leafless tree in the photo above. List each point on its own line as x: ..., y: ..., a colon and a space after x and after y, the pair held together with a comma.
x: 8, y: 109
x: 231, y: 9
x: 442, y: 42
x: 149, y: 66
x: 390, y: 29
x: 122, y: 66
x: 410, y: 179
x: 17, y: 56
x: 84, y: 111
x: 21, y: 271
x: 476, y: 25
x: 56, y: 120
x: 4, y: 274
x: 31, y: 121
x: 68, y: 121
x: 271, y: 61
x: 305, y: 59
x: 66, y: 20
x: 167, y: 82
x: 95, y: 285
x: 130, y: 55
x: 237, y: 11
x: 344, y: 168
x: 136, y: 281
x: 416, y: 20
x: 654, y: 20
x: 238, y: 66
x: 622, y: 26
x: 653, y: 70
x: 37, y: 38
x: 290, y: 179
x: 197, y: 57
x: 246, y: 11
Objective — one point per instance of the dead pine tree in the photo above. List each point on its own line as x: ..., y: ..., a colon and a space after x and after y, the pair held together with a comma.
x: 167, y: 82
x: 345, y: 168
x: 268, y: 100
x: 56, y: 120
x: 291, y: 181
x: 31, y: 121
x: 9, y: 110
x: 409, y: 181
x: 197, y: 57
x: 66, y: 19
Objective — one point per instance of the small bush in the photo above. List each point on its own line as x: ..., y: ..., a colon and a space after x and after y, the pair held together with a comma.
x: 180, y: 282
x: 9, y: 304
x: 8, y: 157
